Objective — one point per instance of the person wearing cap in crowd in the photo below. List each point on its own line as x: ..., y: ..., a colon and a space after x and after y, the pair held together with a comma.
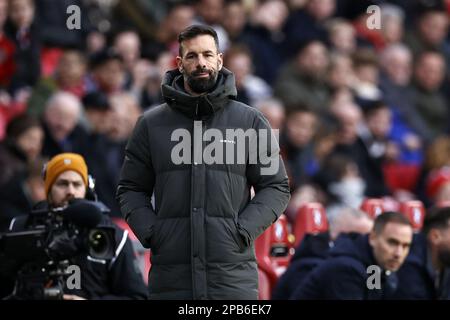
x: 354, y: 258
x: 425, y: 274
x: 66, y: 178
x: 97, y: 109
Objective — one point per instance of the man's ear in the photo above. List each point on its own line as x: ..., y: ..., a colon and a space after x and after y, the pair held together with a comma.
x: 434, y: 236
x: 220, y: 57
x: 179, y: 64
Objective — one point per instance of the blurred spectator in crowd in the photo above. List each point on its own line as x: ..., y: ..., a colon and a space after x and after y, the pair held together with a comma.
x: 106, y: 153
x: 179, y: 17
x: 24, y: 30
x: 265, y: 38
x: 7, y: 50
x: 61, y: 124
x: 349, y: 118
x: 344, y: 275
x: 250, y: 88
x: 340, y: 179
x: 431, y: 29
x: 429, y: 102
x: 302, y: 81
x: 437, y: 157
x: 342, y: 36
x: 365, y: 64
x: 375, y: 133
x: 147, y: 78
x: 342, y: 219
x: 340, y: 72
x: 426, y: 272
x: 314, y: 249
x: 108, y: 72
x: 128, y: 45
x: 274, y: 112
x: 19, y: 154
x: 297, y: 144
x: 234, y: 20
x: 392, y: 25
x: 350, y: 144
x: 308, y: 23
x: 97, y: 111
x: 303, y: 194
x: 210, y: 12
x: 95, y: 42
x: 125, y: 111
x: 395, y: 80
x: 70, y: 76
x: 438, y: 154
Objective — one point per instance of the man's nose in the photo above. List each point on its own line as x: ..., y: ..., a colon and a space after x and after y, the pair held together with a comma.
x: 398, y: 252
x: 70, y: 190
x: 201, y: 61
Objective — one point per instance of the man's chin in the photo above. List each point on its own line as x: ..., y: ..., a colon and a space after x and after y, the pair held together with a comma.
x: 201, y: 85
x: 393, y: 266
x: 61, y: 205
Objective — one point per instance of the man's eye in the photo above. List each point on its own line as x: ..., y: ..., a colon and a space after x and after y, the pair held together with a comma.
x: 392, y: 242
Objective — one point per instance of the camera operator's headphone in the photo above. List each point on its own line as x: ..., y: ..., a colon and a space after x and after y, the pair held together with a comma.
x: 90, y: 188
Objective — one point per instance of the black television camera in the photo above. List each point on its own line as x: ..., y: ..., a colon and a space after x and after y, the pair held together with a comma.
x: 38, y: 254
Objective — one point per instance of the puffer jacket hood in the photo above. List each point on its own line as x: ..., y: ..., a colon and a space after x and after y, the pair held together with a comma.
x: 198, y: 106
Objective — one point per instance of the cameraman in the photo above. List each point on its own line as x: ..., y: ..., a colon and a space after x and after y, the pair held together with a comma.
x: 66, y: 178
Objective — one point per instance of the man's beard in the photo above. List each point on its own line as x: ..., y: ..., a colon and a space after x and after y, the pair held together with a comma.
x: 201, y: 85
x: 444, y: 256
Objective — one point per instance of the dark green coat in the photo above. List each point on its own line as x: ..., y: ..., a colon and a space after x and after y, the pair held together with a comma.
x: 202, y: 225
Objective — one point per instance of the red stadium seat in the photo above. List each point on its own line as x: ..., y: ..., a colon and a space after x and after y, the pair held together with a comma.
x: 415, y: 211
x: 274, y: 250
x: 401, y: 176
x: 373, y: 207
x: 311, y: 218
x: 141, y: 253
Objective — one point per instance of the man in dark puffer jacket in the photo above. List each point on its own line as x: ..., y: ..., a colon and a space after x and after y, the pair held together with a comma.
x: 203, y: 224
x: 345, y: 274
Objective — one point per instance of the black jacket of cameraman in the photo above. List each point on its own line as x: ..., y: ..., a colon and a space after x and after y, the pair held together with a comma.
x: 117, y: 279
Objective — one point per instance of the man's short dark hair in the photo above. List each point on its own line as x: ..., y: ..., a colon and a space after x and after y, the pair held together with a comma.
x: 389, y: 217
x: 436, y: 218
x: 195, y: 31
